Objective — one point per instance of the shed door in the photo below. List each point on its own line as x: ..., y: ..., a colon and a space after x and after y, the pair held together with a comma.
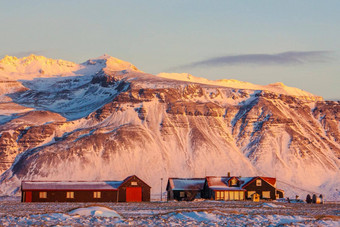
x: 133, y: 194
x: 28, y: 196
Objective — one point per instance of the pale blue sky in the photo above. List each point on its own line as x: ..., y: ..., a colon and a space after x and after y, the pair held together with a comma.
x: 244, y: 40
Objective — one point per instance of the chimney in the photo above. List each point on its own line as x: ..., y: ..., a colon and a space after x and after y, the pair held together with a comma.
x: 228, y: 174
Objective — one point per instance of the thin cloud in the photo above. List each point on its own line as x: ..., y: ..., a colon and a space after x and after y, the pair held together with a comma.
x: 284, y: 58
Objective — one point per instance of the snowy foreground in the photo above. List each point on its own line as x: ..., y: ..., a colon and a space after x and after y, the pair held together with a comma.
x: 202, y: 213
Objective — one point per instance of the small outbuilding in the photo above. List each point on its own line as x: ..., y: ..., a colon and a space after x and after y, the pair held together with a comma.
x: 131, y: 189
x: 184, y: 189
x: 280, y: 194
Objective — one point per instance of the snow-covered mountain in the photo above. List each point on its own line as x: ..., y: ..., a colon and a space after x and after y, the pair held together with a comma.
x: 105, y: 119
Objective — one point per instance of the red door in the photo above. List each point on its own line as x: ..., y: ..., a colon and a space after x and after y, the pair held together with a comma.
x: 28, y: 196
x: 133, y: 194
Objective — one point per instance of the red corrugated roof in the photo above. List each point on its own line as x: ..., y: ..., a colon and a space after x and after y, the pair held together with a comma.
x: 70, y: 185
x: 270, y: 180
x: 75, y: 185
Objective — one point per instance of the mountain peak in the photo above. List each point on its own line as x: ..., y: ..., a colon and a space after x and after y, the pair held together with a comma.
x: 32, y: 66
x: 277, y: 84
x: 111, y: 63
x: 13, y: 68
x: 105, y: 56
x: 8, y: 60
x: 34, y: 57
x: 12, y: 60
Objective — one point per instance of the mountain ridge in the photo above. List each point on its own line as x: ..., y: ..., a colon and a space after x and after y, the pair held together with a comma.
x: 108, y: 122
x: 109, y: 63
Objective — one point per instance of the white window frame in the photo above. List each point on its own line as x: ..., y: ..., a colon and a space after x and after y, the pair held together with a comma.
x: 70, y: 195
x: 42, y: 195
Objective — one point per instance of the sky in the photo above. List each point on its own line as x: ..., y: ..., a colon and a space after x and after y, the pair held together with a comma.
x: 262, y: 42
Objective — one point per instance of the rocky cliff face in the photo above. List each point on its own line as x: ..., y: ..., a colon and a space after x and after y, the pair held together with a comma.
x: 117, y: 121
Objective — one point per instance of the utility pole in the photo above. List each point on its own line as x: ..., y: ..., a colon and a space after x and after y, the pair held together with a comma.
x: 161, y: 189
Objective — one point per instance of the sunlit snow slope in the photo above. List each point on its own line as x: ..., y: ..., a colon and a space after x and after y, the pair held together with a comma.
x: 105, y: 119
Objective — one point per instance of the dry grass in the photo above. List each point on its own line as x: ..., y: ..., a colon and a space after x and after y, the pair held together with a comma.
x: 327, y: 217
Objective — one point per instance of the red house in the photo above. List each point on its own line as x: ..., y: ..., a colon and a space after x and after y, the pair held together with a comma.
x: 132, y: 189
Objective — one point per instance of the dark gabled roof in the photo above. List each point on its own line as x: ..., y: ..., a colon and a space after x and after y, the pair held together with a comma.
x: 221, y: 183
x: 269, y: 180
x: 70, y: 185
x: 186, y: 184
x: 245, y: 180
x: 230, y: 178
x: 129, y: 177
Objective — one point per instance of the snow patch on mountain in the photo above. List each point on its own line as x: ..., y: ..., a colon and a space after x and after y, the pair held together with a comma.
x: 28, y: 68
x: 113, y: 64
x: 12, y: 68
x: 278, y: 88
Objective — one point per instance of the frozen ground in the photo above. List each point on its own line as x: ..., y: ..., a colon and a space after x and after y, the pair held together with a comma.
x: 196, y: 213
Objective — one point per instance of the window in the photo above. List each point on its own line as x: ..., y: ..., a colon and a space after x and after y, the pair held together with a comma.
x: 226, y: 195
x: 241, y: 195
x: 222, y: 195
x: 258, y: 182
x: 97, y: 195
x: 181, y: 194
x: 218, y: 195
x: 250, y: 193
x: 231, y: 195
x: 134, y: 183
x: 42, y: 195
x: 237, y: 195
x: 70, y: 195
x: 234, y: 182
x: 266, y: 194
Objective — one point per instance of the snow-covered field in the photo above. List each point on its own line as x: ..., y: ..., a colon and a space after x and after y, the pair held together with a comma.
x: 211, y: 213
